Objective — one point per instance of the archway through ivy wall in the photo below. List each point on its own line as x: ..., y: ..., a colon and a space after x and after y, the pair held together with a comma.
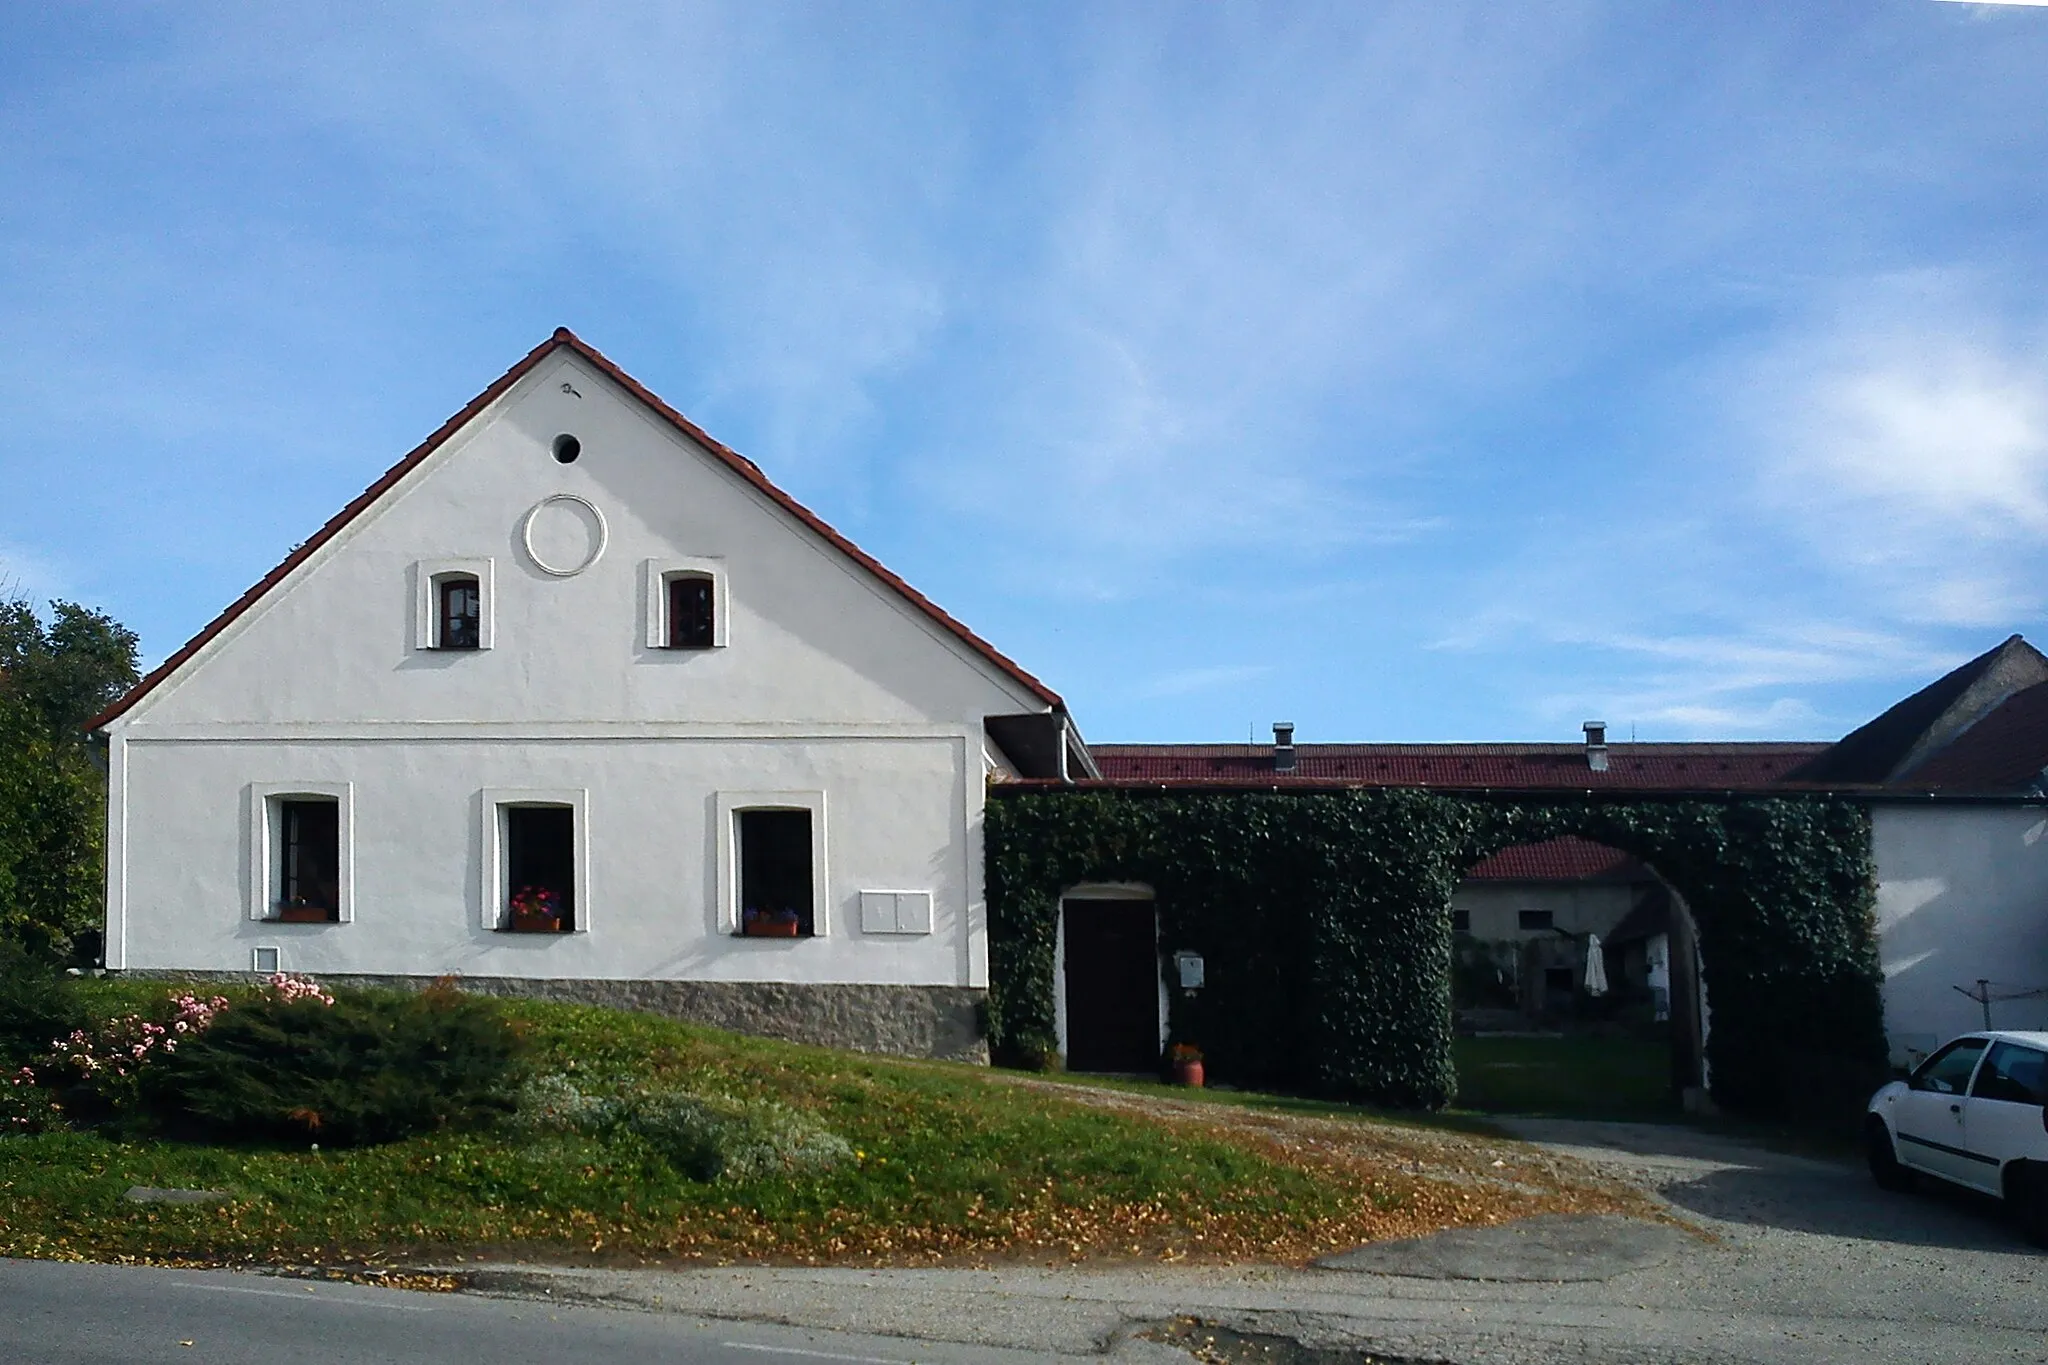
x: 1324, y: 922
x: 1574, y: 984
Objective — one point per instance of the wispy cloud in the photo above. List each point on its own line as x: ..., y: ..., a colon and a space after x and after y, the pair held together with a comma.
x: 1904, y: 437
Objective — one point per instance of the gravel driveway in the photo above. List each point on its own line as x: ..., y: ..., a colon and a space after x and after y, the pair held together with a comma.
x: 1799, y: 1238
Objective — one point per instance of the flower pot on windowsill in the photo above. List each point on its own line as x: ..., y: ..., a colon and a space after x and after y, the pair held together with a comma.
x: 304, y: 914
x: 769, y: 928
x: 533, y: 924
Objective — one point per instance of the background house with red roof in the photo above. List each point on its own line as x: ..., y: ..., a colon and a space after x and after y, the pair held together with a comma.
x: 1955, y: 778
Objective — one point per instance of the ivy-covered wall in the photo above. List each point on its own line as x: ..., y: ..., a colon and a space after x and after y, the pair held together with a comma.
x: 1324, y: 919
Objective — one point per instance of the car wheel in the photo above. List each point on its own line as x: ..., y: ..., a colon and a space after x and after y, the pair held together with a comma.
x: 2027, y: 1194
x: 1884, y: 1159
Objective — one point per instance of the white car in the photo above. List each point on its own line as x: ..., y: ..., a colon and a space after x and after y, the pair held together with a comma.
x: 1973, y: 1114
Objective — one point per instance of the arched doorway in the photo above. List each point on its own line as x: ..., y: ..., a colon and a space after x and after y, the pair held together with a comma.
x: 1109, y: 1002
x: 1576, y: 984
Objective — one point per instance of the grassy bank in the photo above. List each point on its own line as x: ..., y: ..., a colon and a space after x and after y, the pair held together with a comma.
x: 943, y: 1163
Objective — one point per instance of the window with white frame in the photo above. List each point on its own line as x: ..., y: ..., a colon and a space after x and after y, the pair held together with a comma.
x: 772, y: 873
x: 452, y: 604
x: 687, y: 604
x: 536, y: 860
x: 301, y: 844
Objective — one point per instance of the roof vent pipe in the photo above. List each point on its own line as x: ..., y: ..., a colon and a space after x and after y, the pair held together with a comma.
x: 1283, y: 746
x: 1596, y: 745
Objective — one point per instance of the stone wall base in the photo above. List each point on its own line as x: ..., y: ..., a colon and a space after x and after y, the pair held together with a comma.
x: 944, y: 1022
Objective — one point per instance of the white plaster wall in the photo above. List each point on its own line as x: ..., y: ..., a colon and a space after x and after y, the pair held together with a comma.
x: 1962, y: 893
x: 898, y: 813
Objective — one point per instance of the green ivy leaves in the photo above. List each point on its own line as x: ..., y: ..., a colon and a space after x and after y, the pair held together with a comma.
x: 1324, y: 918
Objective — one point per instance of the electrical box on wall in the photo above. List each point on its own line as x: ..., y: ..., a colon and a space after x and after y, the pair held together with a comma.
x: 896, y: 912
x: 1192, y: 970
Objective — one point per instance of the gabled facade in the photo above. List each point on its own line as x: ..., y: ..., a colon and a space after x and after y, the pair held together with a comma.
x: 574, y: 699
x: 1956, y: 775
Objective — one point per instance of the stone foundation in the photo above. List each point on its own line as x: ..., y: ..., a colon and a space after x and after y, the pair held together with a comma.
x: 943, y: 1022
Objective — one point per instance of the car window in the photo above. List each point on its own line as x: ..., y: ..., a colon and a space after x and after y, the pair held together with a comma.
x: 1948, y: 1071
x: 2015, y: 1074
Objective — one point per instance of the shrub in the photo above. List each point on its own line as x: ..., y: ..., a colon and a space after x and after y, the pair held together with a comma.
x: 102, y: 1065
x: 25, y: 1106
x: 37, y: 1007
x: 704, y: 1137
x: 364, y: 1069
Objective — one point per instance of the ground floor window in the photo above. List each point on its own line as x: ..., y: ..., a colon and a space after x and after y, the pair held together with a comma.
x: 299, y: 859
x: 308, y: 859
x: 540, y: 868
x: 776, y: 877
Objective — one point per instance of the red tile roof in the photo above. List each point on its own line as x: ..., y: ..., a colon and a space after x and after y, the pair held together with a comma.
x: 1569, y: 859
x: 739, y: 464
x: 1524, y: 767
x: 2004, y: 752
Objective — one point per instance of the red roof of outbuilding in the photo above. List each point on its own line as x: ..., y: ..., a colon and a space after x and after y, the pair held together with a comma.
x: 1531, y: 767
x: 739, y: 464
x: 1569, y: 859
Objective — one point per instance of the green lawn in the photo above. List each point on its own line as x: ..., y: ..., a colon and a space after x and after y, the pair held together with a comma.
x: 945, y: 1162
x: 1565, y: 1077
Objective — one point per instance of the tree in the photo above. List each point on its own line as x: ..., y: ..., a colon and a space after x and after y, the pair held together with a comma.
x: 69, y: 672
x: 52, y: 794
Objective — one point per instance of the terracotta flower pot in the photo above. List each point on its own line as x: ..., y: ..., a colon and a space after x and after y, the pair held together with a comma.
x: 304, y: 914
x: 535, y: 924
x: 770, y: 928
x: 1188, y: 1073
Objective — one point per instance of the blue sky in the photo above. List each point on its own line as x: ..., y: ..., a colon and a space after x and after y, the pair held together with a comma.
x: 1409, y: 371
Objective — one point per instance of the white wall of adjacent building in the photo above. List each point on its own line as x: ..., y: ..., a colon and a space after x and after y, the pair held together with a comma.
x: 829, y: 689
x: 1962, y: 895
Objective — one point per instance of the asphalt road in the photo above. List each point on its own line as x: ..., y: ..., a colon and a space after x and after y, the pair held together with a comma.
x: 64, y: 1314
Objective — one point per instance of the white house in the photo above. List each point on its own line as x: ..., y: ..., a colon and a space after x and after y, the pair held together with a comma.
x: 573, y: 700
x: 1955, y: 775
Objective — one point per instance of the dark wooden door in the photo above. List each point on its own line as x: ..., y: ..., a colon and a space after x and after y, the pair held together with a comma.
x: 1112, y: 976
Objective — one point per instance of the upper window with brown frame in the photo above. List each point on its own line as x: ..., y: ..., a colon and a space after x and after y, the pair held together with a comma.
x: 452, y: 609
x: 692, y: 611
x: 688, y: 604
x: 458, y: 618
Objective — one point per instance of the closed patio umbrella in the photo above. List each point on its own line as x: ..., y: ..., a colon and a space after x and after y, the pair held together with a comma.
x: 1596, y: 966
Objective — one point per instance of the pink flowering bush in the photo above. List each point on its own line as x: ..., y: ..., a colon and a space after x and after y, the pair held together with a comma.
x: 285, y: 988
x: 97, y: 1068
x: 105, y: 1060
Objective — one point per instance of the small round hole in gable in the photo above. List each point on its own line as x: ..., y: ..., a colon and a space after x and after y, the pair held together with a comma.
x: 567, y: 448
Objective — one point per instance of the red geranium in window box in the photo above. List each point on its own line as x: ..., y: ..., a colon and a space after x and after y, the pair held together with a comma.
x: 536, y: 910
